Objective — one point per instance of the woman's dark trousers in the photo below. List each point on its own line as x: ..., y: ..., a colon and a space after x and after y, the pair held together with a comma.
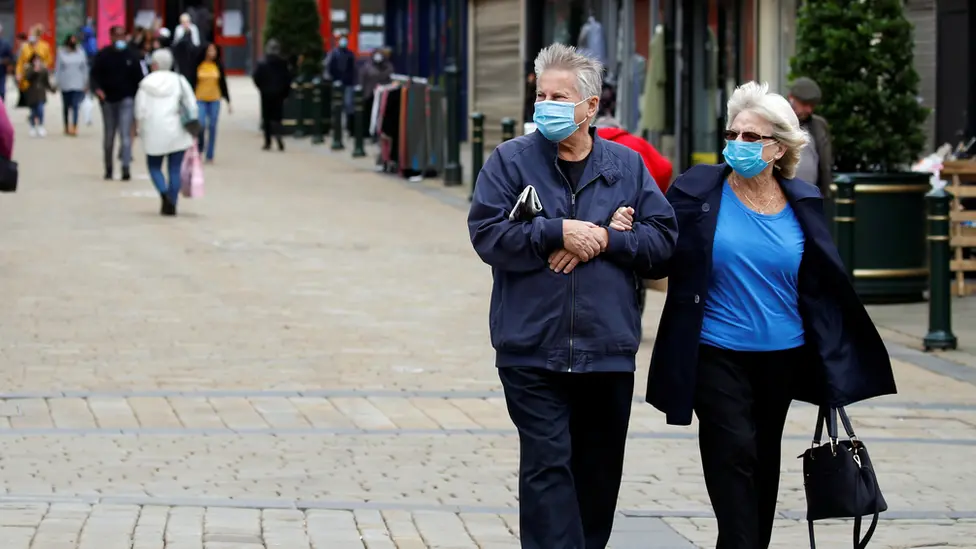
x: 572, y: 432
x: 741, y: 401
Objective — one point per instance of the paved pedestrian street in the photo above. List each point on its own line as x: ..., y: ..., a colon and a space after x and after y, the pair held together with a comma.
x: 301, y: 361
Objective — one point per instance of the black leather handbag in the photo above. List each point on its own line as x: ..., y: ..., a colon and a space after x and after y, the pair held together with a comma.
x: 839, y: 480
x: 8, y: 176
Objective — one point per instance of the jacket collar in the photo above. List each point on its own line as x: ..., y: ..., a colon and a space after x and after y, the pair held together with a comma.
x: 601, y: 160
x: 710, y: 176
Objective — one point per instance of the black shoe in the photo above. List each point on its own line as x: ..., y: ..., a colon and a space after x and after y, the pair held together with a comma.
x: 163, y: 201
x: 108, y: 174
x: 169, y: 209
x: 266, y: 147
x: 281, y: 144
x: 126, y: 176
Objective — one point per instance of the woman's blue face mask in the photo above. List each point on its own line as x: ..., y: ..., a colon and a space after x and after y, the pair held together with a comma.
x: 556, y: 120
x: 745, y: 157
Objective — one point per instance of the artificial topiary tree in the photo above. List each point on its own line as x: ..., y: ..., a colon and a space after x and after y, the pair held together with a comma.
x: 295, y: 24
x: 861, y: 53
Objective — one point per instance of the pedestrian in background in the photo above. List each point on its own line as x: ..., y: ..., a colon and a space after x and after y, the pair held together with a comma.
x: 35, y: 45
x: 817, y: 159
x: 760, y: 311
x: 341, y: 63
x: 165, y: 99
x: 6, y: 133
x: 6, y: 61
x: 660, y: 168
x: 38, y: 85
x: 377, y: 73
x: 71, y: 76
x: 187, y: 29
x: 210, y: 89
x: 273, y: 80
x: 115, y: 77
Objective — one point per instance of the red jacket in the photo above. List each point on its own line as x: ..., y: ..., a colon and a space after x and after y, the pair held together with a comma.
x: 659, y: 166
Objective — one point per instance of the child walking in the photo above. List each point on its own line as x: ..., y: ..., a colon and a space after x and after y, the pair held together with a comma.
x: 38, y: 84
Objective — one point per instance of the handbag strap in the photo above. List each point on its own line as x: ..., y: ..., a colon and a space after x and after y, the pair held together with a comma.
x: 859, y: 543
x: 828, y: 416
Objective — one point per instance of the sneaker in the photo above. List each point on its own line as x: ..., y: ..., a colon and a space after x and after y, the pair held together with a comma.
x: 126, y: 176
x: 33, y: 131
x: 42, y: 132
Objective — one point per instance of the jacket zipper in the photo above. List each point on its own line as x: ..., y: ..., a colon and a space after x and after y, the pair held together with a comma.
x: 572, y: 215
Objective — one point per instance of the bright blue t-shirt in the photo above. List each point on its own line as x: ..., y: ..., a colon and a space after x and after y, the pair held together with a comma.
x: 752, y: 297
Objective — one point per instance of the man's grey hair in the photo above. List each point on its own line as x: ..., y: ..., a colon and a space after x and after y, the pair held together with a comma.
x: 186, y: 17
x: 162, y: 59
x: 273, y: 47
x: 756, y: 98
x: 607, y: 122
x: 588, y: 71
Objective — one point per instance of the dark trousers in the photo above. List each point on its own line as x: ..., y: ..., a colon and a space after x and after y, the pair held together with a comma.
x: 741, y: 400
x: 70, y: 101
x: 572, y: 432
x: 272, y: 111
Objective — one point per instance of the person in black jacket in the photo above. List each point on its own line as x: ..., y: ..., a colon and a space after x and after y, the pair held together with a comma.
x: 273, y: 79
x: 115, y: 77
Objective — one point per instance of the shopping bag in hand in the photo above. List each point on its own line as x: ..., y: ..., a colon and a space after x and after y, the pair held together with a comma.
x: 191, y: 173
x: 86, y: 110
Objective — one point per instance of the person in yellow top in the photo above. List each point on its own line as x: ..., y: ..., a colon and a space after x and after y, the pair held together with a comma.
x: 211, y: 87
x: 35, y: 45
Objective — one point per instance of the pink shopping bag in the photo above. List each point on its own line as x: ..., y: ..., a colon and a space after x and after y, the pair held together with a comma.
x: 191, y: 173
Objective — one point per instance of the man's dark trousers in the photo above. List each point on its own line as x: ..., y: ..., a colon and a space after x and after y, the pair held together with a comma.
x: 572, y: 434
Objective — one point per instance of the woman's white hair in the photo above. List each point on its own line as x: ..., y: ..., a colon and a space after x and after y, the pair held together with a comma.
x: 162, y: 59
x: 588, y: 71
x: 756, y: 98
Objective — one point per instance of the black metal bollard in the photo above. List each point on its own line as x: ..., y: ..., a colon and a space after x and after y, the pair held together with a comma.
x: 325, y: 108
x: 508, y: 129
x: 317, y: 125
x: 844, y: 222
x: 337, y: 111
x: 299, y: 87
x: 940, y: 336
x: 477, y: 149
x: 359, y: 123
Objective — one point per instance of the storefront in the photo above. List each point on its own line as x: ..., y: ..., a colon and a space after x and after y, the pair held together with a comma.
x: 418, y: 33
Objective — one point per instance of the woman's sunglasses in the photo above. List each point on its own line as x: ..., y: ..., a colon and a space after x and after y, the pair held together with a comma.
x: 748, y: 137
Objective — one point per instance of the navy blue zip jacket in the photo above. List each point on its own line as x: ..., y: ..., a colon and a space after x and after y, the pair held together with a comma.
x: 588, y: 320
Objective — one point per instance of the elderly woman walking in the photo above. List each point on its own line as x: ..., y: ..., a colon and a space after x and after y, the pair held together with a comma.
x: 760, y: 311
x: 164, y: 101
x: 565, y: 322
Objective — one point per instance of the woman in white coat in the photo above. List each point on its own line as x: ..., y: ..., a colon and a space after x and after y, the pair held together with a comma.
x: 164, y: 101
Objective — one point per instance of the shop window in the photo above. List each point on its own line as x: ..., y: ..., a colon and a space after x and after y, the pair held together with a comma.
x: 747, y: 40
x: 144, y: 14
x: 372, y: 24
x: 341, y: 18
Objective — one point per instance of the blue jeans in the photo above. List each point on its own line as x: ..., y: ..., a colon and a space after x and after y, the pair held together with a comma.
x: 209, y: 112
x: 71, y: 100
x: 37, y: 115
x: 174, y: 162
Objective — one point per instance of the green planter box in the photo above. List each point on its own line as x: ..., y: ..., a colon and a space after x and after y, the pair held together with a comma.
x: 890, y: 257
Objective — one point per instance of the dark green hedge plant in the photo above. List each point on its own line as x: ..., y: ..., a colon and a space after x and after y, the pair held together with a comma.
x: 295, y: 24
x: 861, y: 54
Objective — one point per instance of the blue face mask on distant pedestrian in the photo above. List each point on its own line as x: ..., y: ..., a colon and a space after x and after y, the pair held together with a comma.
x: 745, y: 157
x: 343, y: 42
x: 556, y: 120
x: 120, y: 44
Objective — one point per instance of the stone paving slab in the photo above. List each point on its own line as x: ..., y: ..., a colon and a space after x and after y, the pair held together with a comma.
x: 301, y: 360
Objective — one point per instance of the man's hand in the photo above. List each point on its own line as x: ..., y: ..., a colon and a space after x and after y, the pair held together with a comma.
x: 563, y: 261
x: 623, y: 219
x: 100, y: 94
x: 581, y: 239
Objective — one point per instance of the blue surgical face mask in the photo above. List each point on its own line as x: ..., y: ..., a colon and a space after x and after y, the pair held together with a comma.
x: 343, y: 42
x: 556, y: 120
x: 120, y: 44
x: 745, y: 157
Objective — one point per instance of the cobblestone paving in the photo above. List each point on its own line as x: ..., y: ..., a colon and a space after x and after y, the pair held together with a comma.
x: 301, y: 361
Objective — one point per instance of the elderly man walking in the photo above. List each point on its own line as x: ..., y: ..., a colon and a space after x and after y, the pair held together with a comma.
x: 817, y: 158
x: 564, y: 317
